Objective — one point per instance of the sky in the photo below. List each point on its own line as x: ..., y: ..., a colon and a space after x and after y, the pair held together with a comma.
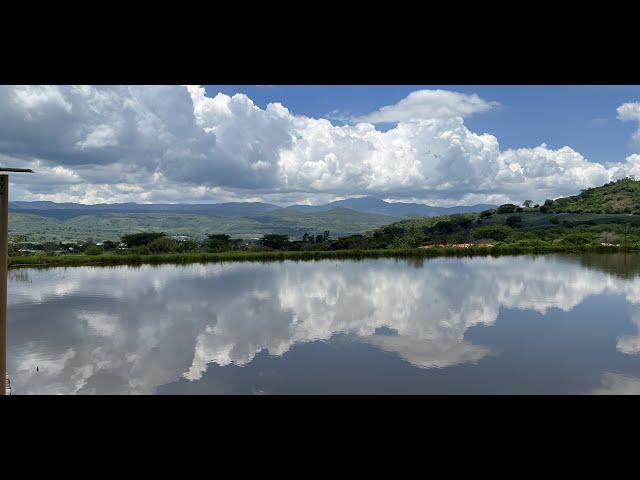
x: 436, y: 144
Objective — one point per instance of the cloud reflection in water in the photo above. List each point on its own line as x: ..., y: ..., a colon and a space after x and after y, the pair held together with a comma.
x: 133, y: 330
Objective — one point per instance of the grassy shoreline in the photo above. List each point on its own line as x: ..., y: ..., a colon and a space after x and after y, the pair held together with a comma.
x: 183, y: 258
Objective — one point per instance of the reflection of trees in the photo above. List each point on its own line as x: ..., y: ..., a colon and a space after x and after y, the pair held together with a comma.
x: 19, y: 275
x: 624, y: 265
x: 416, y: 262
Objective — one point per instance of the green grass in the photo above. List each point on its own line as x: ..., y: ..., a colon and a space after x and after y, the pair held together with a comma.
x: 181, y: 258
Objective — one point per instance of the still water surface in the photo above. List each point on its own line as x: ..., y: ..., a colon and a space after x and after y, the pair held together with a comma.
x: 546, y: 324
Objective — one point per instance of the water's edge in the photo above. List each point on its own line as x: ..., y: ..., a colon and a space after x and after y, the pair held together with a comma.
x: 182, y: 258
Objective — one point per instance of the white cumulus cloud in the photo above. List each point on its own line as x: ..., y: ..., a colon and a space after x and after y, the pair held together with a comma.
x: 429, y: 104
x: 176, y: 143
x: 630, y: 112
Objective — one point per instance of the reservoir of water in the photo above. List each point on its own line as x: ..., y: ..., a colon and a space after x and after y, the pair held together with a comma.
x: 549, y: 324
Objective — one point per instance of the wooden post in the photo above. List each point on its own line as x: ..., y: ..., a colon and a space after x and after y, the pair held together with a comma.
x: 4, y: 259
x: 4, y: 231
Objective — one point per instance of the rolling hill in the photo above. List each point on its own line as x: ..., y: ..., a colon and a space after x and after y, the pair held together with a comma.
x: 238, y: 209
x: 396, y: 209
x: 42, y: 221
x: 65, y: 211
x: 111, y: 226
x: 622, y: 196
x: 605, y: 215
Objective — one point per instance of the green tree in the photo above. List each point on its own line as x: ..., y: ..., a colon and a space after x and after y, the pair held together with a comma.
x: 494, y: 232
x: 463, y: 222
x: 50, y: 247
x: 527, y: 203
x: 507, y: 208
x: 218, y: 242
x: 274, y: 241
x: 514, y: 221
x: 547, y: 206
x: 442, y: 227
x: 163, y: 245
x: 139, y: 239
x: 92, y: 250
x: 187, y: 246
x: 109, y: 245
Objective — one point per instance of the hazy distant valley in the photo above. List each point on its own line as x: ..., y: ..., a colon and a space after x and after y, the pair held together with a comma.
x: 73, y: 221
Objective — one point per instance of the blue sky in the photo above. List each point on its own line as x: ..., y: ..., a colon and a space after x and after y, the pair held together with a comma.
x: 583, y: 117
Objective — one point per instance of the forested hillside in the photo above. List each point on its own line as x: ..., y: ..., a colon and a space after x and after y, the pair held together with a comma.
x: 622, y: 196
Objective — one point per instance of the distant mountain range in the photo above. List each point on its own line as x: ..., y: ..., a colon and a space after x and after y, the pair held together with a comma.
x: 73, y: 221
x: 70, y: 210
x: 64, y: 211
x: 395, y: 209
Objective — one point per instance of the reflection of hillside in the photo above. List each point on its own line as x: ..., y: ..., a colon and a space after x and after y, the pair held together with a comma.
x: 623, y: 265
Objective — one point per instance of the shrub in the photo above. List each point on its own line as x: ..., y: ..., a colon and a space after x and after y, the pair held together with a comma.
x: 163, y: 245
x: 577, y: 239
x: 188, y: 246
x: 498, y: 233
x: 92, y: 250
x: 609, y: 237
